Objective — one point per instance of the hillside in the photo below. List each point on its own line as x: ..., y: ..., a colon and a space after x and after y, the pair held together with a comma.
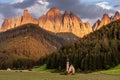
x: 69, y: 37
x: 27, y: 42
x: 96, y: 51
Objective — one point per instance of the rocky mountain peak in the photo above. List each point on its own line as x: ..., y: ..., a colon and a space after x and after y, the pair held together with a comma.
x: 66, y: 22
x: 116, y: 16
x: 73, y: 16
x: 104, y: 21
x: 8, y: 24
x: 105, y: 16
x: 27, y: 18
x: 117, y: 13
x: 88, y: 27
x: 53, y: 11
x: 26, y: 14
x: 53, y: 21
x: 66, y: 12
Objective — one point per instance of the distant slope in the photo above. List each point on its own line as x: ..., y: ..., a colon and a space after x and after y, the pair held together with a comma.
x: 98, y: 50
x: 68, y: 36
x: 27, y: 42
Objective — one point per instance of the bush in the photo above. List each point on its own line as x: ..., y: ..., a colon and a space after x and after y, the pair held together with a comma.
x: 30, y: 69
x: 64, y: 73
x: 78, y: 70
x: 107, y: 67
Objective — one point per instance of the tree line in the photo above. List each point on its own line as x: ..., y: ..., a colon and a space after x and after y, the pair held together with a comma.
x: 96, y: 51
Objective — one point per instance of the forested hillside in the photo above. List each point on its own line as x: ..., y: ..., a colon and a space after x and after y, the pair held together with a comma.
x: 98, y: 50
x: 21, y: 47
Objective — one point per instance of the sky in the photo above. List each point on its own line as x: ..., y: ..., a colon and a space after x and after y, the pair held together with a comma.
x: 87, y: 10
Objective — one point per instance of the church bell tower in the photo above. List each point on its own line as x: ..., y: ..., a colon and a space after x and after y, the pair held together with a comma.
x: 67, y: 65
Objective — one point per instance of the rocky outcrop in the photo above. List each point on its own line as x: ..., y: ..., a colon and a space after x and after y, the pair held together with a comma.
x: 57, y: 22
x: 21, y: 20
x: 116, y: 16
x: 53, y: 21
x: 8, y: 24
x: 27, y: 18
x: 88, y: 27
x: 105, y: 20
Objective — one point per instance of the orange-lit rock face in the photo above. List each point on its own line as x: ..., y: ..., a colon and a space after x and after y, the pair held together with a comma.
x: 105, y: 20
x: 53, y: 21
x: 27, y: 18
x: 56, y: 22
x: 8, y: 24
x: 116, y: 16
x: 19, y: 21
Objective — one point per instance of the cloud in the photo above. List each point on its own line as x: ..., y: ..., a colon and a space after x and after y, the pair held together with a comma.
x: 104, y: 5
x: 38, y: 7
x: 118, y: 5
x: 7, y: 10
x: 17, y: 1
x: 25, y: 4
x: 81, y: 9
x: 1, y: 18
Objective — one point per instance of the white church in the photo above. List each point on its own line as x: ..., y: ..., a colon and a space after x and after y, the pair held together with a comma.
x: 70, y: 68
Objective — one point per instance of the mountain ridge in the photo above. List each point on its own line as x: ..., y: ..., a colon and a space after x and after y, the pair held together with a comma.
x: 105, y: 20
x: 58, y: 22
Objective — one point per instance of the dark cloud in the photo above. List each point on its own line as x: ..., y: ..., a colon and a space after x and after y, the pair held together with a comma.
x: 7, y: 10
x: 118, y: 5
x: 25, y: 4
x: 36, y: 8
x: 81, y: 9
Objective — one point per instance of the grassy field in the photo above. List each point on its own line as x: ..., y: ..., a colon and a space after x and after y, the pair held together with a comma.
x: 42, y: 74
x: 113, y: 71
x: 4, y: 75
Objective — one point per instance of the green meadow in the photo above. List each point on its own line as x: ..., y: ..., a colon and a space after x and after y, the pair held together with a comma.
x: 42, y: 73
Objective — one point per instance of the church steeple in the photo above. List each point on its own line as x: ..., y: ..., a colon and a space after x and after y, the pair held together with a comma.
x: 67, y: 64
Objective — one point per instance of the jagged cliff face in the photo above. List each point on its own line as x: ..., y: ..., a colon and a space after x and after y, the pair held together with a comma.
x: 57, y: 22
x: 8, y: 24
x: 53, y: 21
x: 27, y: 18
x: 21, y: 20
x: 116, y: 16
x: 105, y: 20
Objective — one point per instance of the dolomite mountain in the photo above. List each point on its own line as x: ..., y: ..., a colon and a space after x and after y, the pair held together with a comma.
x: 21, y: 20
x: 58, y: 22
x: 53, y: 21
x: 105, y: 20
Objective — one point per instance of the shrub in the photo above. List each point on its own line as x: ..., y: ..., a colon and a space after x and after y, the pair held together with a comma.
x: 64, y: 73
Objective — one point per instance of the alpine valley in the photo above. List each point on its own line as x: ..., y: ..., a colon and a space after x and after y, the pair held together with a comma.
x: 26, y: 41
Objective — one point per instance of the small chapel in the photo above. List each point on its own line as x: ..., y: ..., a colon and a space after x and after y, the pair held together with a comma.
x: 69, y: 67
